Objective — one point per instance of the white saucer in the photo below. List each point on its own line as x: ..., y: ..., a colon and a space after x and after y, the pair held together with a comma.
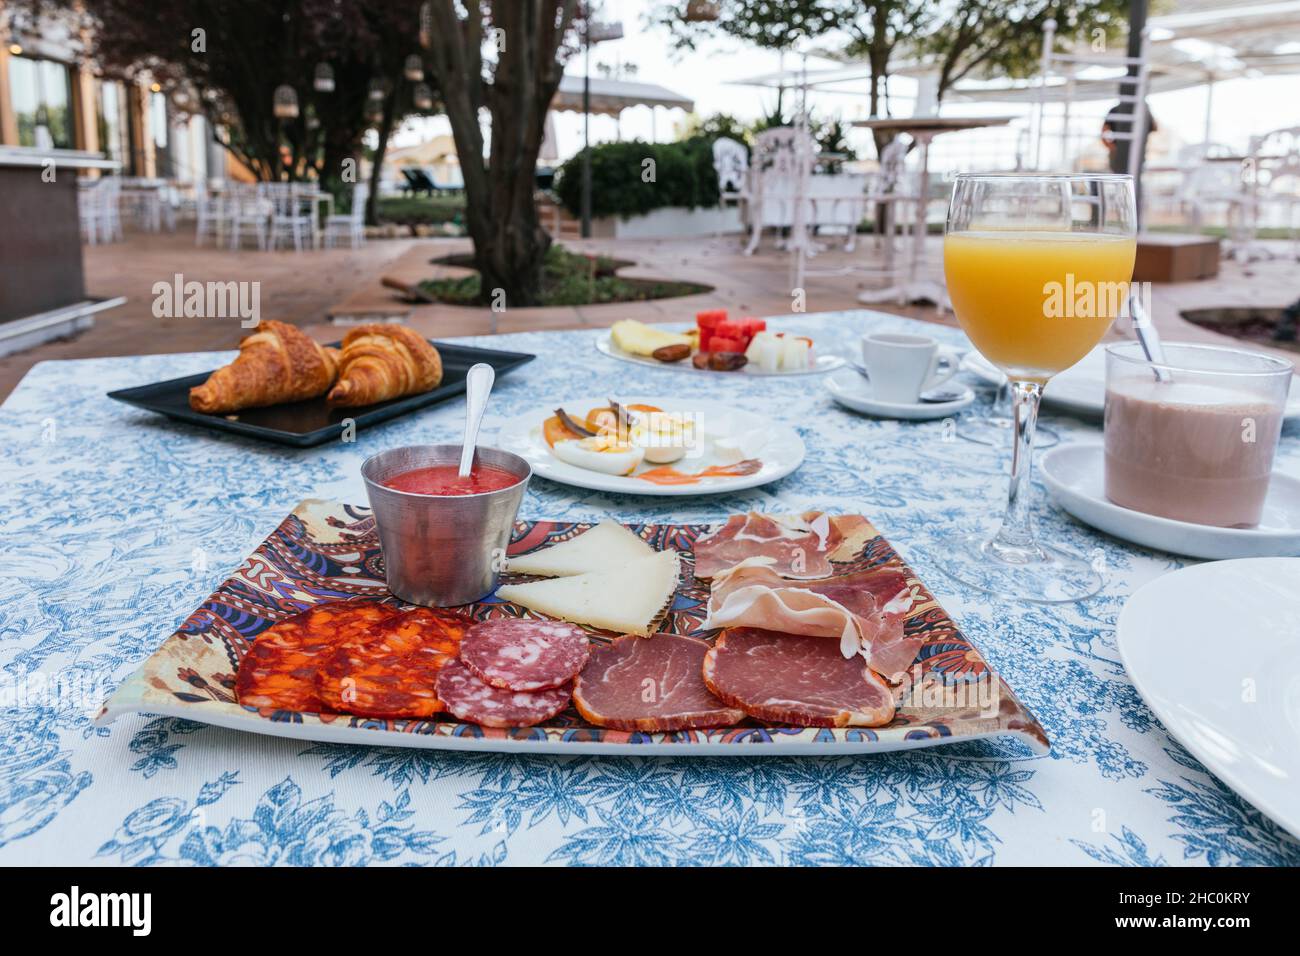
x: 1074, y: 476
x: 1214, y: 650
x: 853, y: 391
x: 1081, y: 388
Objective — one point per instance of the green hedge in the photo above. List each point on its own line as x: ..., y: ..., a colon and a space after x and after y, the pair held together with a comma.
x: 683, y: 176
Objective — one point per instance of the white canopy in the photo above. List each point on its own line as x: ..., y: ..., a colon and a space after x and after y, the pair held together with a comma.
x: 611, y: 97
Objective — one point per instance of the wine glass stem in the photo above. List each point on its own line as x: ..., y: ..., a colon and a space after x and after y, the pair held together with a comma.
x: 1017, y: 531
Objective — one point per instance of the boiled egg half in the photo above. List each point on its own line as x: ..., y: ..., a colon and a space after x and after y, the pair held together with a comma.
x: 664, y: 436
x: 602, y: 453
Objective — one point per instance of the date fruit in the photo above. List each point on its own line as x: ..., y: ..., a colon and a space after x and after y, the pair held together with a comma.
x: 672, y: 353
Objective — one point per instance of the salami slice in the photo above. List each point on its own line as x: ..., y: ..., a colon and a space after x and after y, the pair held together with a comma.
x: 395, y: 674
x: 791, y: 679
x: 516, y: 654
x: 650, y: 684
x: 464, y: 695
x: 280, y: 670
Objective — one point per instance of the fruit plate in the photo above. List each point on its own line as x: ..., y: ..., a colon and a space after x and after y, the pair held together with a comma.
x: 326, y: 551
x: 605, y: 346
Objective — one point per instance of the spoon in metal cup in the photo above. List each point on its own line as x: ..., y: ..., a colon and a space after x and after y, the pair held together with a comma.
x: 478, y: 386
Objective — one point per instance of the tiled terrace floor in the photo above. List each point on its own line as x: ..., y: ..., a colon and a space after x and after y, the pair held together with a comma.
x: 306, y: 288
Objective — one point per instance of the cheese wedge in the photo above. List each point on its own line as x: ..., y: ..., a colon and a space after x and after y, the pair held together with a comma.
x: 628, y: 598
x: 605, y: 546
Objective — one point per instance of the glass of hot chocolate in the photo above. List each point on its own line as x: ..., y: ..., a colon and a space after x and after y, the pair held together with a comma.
x: 1193, y: 439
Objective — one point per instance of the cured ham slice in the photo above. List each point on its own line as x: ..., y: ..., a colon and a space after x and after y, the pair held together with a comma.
x: 789, y: 679
x: 651, y: 684
x: 281, y: 669
x: 393, y: 675
x: 468, y: 698
x: 795, y: 547
x: 516, y: 654
x: 865, y: 610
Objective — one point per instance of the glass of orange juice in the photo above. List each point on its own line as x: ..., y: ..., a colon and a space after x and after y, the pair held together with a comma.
x: 1038, y: 266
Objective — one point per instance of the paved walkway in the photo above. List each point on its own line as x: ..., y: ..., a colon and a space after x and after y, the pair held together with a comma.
x: 306, y: 288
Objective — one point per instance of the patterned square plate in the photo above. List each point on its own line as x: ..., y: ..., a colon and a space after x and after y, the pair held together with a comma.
x: 326, y: 551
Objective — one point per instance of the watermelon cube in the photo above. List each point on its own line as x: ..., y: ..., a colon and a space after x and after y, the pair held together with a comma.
x: 710, y: 318
x: 723, y: 343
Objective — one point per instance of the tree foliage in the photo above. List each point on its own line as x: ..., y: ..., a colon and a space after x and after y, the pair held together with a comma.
x: 959, y: 38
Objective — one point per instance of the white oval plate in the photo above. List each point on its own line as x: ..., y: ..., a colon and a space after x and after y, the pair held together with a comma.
x: 605, y: 346
x: 853, y: 391
x: 1074, y: 474
x: 783, y: 452
x: 1081, y: 388
x: 1214, y: 650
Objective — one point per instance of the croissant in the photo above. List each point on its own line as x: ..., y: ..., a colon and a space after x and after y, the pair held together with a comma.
x: 276, y: 363
x: 382, y: 362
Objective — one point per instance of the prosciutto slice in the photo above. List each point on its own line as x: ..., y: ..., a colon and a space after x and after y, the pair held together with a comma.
x: 864, y: 610
x: 793, y: 546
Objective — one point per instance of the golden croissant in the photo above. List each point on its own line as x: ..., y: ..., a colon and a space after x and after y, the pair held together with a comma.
x: 276, y: 363
x: 383, y: 362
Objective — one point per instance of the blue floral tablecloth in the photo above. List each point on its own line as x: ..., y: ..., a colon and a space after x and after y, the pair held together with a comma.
x: 118, y: 523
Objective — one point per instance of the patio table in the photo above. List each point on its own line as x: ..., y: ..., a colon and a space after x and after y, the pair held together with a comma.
x: 119, y: 523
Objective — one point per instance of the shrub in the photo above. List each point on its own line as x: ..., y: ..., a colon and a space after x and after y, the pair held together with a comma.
x: 683, y: 176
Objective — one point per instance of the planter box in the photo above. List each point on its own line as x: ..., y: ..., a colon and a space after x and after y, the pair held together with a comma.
x: 669, y: 222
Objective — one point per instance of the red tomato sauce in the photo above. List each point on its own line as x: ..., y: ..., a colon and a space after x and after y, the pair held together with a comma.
x: 444, y: 480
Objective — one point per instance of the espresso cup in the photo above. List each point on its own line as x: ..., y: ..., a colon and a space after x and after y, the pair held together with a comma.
x: 901, y: 366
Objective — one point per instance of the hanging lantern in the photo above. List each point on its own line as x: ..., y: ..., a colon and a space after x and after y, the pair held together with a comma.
x: 414, y: 70
x: 423, y: 97
x: 426, y: 25
x: 313, y: 123
x: 324, y: 81
x: 376, y: 90
x: 285, y: 102
x: 702, y: 11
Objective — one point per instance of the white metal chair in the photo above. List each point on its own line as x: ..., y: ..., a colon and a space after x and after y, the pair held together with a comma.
x: 98, y: 207
x: 350, y: 226
x: 248, y: 212
x: 778, y: 181
x: 291, y: 214
x: 1066, y: 65
x: 731, y: 161
x: 213, y: 212
x: 1276, y: 177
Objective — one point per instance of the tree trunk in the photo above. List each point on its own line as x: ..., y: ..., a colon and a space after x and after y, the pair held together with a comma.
x: 509, y: 243
x: 381, y: 148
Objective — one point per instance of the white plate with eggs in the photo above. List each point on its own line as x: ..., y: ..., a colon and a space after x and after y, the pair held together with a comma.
x: 685, y: 447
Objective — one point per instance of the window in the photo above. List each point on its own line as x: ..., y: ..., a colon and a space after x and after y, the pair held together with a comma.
x: 115, y: 125
x: 41, y: 95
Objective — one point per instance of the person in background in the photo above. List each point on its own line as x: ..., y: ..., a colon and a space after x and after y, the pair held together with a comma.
x: 1120, y: 120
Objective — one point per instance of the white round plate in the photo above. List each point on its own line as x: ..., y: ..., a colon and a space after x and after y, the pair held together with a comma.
x: 1081, y: 388
x: 605, y: 345
x: 1074, y: 474
x: 782, y: 453
x: 1214, y: 650
x: 853, y: 391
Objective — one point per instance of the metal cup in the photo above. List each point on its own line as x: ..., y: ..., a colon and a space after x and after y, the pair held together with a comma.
x: 442, y: 550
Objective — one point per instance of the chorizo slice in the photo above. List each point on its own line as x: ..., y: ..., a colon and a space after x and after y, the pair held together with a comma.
x: 395, y: 674
x: 280, y: 670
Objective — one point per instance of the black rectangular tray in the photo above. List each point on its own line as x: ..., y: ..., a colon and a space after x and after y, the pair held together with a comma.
x: 313, y: 422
